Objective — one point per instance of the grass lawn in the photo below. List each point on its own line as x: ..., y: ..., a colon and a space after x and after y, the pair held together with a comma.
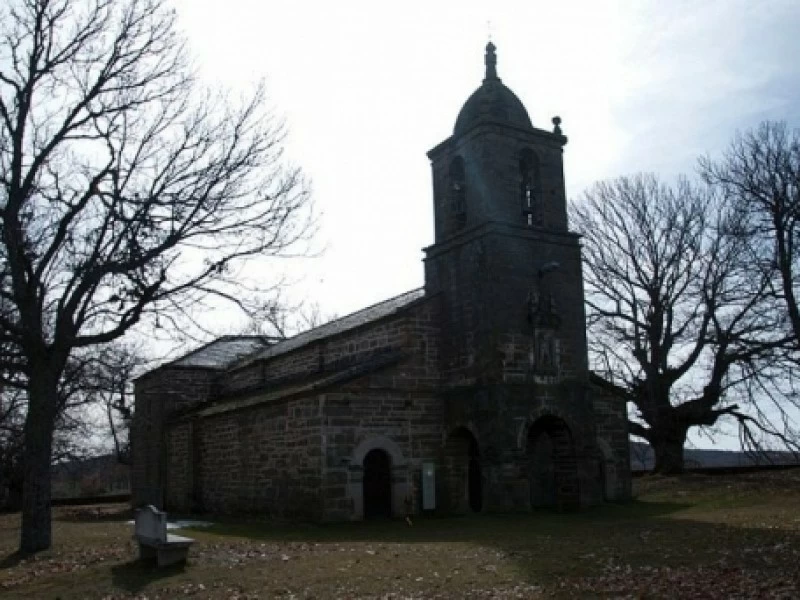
x: 692, y: 537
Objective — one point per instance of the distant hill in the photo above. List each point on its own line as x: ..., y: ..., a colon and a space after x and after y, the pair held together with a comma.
x: 642, y: 458
x: 90, y: 477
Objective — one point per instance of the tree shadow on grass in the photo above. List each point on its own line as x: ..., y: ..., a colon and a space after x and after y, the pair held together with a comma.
x: 655, y: 549
x: 430, y: 529
x: 133, y: 576
x: 547, y: 547
x: 633, y: 549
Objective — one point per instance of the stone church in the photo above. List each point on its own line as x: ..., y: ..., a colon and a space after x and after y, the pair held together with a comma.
x: 471, y: 394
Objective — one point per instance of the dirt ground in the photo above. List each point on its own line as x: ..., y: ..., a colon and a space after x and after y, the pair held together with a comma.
x: 687, y: 537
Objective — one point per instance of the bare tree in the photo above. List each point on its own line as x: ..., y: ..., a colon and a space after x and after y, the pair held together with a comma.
x: 128, y: 194
x: 760, y: 172
x: 12, y: 417
x: 280, y: 319
x: 107, y: 384
x: 676, y: 319
x: 74, y: 425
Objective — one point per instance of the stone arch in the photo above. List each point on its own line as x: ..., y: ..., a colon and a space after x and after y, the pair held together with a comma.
x: 399, y: 482
x: 378, y: 442
x: 457, y: 191
x: 461, y: 472
x: 467, y: 426
x: 552, y: 464
x: 534, y: 416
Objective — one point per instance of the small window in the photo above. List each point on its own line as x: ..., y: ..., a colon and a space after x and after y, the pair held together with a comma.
x: 530, y: 188
x: 458, y: 191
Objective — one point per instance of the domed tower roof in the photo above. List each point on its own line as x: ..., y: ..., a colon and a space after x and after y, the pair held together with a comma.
x: 493, y: 102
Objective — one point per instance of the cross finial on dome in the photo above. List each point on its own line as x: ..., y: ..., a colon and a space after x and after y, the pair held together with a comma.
x: 491, y: 63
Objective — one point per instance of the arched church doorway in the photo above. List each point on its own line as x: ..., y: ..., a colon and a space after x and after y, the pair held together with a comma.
x: 552, y: 465
x: 462, y: 472
x: 377, y: 484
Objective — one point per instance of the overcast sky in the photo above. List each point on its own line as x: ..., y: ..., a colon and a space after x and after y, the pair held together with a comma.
x: 368, y: 87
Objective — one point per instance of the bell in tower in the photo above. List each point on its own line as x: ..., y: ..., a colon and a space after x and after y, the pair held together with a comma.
x: 497, y: 166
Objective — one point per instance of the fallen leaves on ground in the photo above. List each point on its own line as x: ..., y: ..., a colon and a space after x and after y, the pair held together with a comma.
x: 694, y: 537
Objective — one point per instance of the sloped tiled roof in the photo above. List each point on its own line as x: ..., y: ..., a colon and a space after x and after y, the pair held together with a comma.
x: 351, y: 321
x: 224, y: 351
x: 309, y: 384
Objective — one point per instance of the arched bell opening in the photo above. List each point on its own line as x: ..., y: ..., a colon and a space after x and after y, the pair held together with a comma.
x: 530, y: 189
x: 462, y: 472
x: 458, y: 191
x: 552, y: 465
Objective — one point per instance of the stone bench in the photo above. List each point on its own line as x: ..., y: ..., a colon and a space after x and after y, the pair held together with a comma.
x: 155, y: 542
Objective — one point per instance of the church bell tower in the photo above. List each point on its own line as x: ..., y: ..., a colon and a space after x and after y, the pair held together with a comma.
x: 504, y: 262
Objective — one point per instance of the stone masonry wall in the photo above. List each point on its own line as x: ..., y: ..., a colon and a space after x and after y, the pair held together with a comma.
x: 158, y: 395
x: 324, y: 355
x: 491, y: 155
x: 294, y: 457
x: 397, y: 410
x: 612, y: 439
x: 407, y: 426
x: 264, y: 460
x: 488, y: 284
x: 178, y: 487
x: 501, y: 417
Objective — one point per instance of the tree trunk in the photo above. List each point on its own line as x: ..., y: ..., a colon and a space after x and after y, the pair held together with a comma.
x: 39, y: 427
x: 668, y: 449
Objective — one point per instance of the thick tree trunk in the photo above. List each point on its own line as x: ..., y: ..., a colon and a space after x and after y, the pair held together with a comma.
x: 668, y: 448
x: 39, y: 427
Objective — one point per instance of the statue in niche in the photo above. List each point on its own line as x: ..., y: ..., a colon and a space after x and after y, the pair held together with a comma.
x: 546, y: 352
x: 545, y: 322
x: 542, y: 312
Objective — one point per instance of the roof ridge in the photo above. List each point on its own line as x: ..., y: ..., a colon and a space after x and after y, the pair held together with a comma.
x: 352, y: 314
x: 290, y: 343
x: 265, y: 340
